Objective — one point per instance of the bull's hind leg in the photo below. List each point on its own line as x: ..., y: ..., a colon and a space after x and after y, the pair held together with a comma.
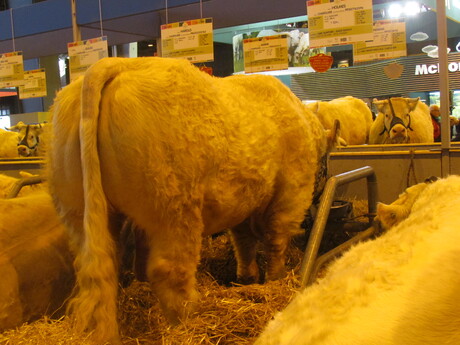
x: 282, y: 220
x: 173, y: 260
x: 244, y: 244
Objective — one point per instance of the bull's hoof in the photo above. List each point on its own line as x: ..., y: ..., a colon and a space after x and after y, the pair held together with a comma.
x: 276, y: 275
x: 247, y: 280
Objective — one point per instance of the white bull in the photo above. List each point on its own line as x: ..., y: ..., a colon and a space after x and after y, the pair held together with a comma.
x: 354, y: 115
x: 402, y: 288
x: 401, y: 120
x: 182, y: 154
x: 28, y: 144
x: 35, y: 260
x: 8, y: 144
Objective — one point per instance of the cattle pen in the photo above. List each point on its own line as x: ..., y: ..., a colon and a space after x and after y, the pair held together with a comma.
x: 12, y: 166
x: 237, y: 315
x: 396, y: 166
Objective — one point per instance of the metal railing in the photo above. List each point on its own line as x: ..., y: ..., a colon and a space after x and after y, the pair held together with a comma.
x: 310, y: 264
x: 21, y: 183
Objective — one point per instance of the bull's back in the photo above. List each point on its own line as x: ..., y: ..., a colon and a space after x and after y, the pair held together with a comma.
x: 272, y: 136
x: 354, y: 115
x: 198, y: 140
x: 168, y: 134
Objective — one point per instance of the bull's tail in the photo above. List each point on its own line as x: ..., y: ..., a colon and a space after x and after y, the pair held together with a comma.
x: 94, y: 306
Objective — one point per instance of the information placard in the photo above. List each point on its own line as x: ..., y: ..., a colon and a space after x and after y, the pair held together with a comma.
x: 338, y: 22
x: 34, y: 84
x: 191, y: 40
x: 389, y: 42
x: 83, y: 54
x: 267, y: 53
x: 11, y: 69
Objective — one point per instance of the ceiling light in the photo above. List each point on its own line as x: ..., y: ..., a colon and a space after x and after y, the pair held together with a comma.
x: 411, y: 8
x: 395, y: 11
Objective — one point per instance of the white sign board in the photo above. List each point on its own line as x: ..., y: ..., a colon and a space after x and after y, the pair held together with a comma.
x: 338, y: 22
x: 267, y: 53
x: 191, y: 40
x: 389, y: 42
x: 83, y: 54
x: 11, y: 69
x: 34, y: 84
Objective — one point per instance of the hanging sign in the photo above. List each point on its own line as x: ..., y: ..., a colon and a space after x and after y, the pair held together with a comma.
x: 82, y: 54
x: 338, y: 22
x: 389, y: 42
x: 266, y: 53
x: 191, y: 40
x: 321, y: 62
x: 34, y: 84
x: 11, y: 69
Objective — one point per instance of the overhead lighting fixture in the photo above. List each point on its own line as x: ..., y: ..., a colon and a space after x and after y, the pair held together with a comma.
x: 397, y: 10
x: 411, y: 8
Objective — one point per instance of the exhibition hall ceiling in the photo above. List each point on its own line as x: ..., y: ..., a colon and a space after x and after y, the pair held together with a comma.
x: 142, y: 26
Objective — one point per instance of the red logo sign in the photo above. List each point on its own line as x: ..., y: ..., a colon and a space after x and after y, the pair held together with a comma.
x: 321, y: 62
x: 206, y: 69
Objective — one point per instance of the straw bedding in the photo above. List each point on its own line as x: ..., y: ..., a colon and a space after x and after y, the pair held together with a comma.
x: 228, y: 313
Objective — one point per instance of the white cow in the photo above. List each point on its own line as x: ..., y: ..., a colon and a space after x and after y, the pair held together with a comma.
x: 35, y: 260
x: 183, y: 154
x: 29, y: 139
x: 8, y: 144
x: 354, y: 115
x: 403, y: 120
x: 303, y: 48
x: 401, y: 288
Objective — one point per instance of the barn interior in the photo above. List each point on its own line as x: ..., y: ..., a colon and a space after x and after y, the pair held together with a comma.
x: 360, y: 175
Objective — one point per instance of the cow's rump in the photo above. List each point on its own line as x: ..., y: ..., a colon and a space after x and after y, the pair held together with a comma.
x: 182, y: 154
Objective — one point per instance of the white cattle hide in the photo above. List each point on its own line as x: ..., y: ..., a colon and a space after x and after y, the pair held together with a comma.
x: 35, y: 260
x: 182, y: 154
x: 401, y: 288
x: 411, y: 119
x: 354, y: 115
x: 8, y: 144
x: 29, y: 142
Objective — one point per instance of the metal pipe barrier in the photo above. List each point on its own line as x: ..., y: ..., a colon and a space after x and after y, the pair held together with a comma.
x: 21, y: 183
x: 317, y: 232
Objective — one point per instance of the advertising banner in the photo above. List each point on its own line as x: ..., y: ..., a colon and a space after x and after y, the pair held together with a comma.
x: 83, y: 54
x: 11, y: 69
x: 389, y: 42
x: 191, y: 40
x: 267, y: 53
x: 338, y: 22
x: 34, y: 84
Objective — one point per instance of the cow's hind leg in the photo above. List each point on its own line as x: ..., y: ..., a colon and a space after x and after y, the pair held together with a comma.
x: 245, y: 246
x: 281, y: 221
x: 173, y: 260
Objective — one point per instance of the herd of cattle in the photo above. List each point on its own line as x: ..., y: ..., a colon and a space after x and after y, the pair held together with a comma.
x: 240, y: 153
x: 399, y: 120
